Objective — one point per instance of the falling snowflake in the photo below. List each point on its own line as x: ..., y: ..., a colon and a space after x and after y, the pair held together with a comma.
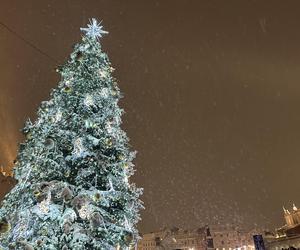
x: 94, y: 29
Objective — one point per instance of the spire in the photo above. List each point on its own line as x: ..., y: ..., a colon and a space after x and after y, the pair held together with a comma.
x: 294, y: 207
x: 284, y: 210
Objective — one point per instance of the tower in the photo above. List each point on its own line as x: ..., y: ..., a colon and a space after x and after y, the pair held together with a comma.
x: 292, y: 218
x: 209, y: 240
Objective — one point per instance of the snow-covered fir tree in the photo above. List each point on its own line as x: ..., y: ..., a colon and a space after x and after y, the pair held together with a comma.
x: 73, y: 169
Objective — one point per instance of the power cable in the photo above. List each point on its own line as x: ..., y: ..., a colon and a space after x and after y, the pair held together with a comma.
x: 28, y: 42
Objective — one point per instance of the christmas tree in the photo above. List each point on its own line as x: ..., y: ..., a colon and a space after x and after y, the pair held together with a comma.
x: 72, y: 170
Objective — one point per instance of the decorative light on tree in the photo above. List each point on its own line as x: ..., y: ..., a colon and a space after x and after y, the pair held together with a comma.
x: 84, y: 212
x: 94, y: 29
x: 78, y: 147
x: 58, y: 116
x: 104, y: 92
x: 103, y: 73
x: 44, y: 205
x: 88, y: 100
x: 109, y: 127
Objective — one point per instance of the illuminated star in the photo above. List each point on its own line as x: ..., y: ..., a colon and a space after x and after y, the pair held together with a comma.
x: 94, y: 29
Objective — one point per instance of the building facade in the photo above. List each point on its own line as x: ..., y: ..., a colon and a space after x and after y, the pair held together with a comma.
x: 230, y: 237
x: 177, y: 239
x: 287, y: 236
x: 292, y: 218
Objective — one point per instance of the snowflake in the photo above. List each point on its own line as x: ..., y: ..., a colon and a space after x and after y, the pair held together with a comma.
x: 94, y: 29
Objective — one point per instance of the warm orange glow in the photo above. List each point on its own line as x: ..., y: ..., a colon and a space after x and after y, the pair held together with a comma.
x: 6, y: 172
x: 7, y: 155
x: 9, y: 133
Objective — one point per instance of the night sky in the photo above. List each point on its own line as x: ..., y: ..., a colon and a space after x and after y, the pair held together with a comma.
x: 211, y: 94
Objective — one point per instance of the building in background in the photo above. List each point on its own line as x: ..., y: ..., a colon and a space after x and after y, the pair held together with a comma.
x: 259, y: 243
x: 292, y: 219
x: 287, y: 236
x: 230, y: 237
x: 177, y: 239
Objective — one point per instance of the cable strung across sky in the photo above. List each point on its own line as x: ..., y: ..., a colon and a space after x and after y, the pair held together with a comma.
x: 28, y: 42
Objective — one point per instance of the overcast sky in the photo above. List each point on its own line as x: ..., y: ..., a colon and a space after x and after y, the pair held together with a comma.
x: 211, y: 94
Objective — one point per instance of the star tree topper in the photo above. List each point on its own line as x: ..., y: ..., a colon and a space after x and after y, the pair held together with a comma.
x: 94, y: 29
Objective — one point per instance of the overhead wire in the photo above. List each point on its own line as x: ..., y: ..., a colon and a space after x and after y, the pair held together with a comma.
x: 28, y: 42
